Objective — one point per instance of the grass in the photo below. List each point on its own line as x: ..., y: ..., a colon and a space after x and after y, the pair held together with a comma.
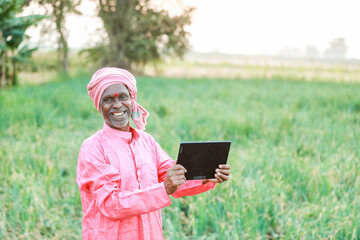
x: 294, y: 156
x: 218, y: 65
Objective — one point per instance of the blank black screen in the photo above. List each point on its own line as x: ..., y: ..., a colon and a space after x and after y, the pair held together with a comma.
x: 200, y: 159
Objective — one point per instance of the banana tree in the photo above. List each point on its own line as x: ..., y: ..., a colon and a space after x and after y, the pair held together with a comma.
x: 12, y: 36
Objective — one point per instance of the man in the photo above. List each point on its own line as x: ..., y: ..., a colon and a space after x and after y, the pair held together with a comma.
x: 124, y: 176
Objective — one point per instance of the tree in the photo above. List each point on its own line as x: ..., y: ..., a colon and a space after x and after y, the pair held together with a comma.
x: 337, y: 49
x: 12, y: 33
x: 311, y: 52
x: 59, y: 9
x: 139, y: 33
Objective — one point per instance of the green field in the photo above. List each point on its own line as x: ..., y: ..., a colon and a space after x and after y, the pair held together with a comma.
x: 295, y: 156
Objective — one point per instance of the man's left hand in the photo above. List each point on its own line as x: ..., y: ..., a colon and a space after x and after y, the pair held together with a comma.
x: 222, y: 174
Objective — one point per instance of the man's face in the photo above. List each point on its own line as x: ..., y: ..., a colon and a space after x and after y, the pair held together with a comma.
x: 115, y: 105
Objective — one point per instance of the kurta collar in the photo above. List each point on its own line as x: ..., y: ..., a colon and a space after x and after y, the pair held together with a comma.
x: 126, y: 136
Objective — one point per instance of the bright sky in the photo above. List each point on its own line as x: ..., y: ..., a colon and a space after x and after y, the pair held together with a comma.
x: 263, y: 26
x: 258, y: 26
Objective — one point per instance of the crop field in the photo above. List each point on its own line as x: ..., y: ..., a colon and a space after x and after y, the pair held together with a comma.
x: 295, y: 156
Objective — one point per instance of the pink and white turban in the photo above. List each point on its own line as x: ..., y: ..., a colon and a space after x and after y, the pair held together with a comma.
x: 107, y: 76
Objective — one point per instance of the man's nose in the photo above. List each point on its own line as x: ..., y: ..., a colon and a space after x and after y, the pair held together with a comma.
x: 117, y: 103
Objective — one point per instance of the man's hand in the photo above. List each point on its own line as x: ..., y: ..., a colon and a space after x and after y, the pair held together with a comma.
x: 222, y: 174
x: 175, y: 176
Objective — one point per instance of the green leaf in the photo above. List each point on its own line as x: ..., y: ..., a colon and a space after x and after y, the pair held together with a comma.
x: 3, y: 47
x: 7, y: 9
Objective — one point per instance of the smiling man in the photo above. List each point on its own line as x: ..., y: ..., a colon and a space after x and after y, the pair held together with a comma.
x: 115, y: 106
x: 124, y: 176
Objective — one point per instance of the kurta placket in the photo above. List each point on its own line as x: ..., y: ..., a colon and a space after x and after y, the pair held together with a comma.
x: 143, y: 227
x: 136, y: 163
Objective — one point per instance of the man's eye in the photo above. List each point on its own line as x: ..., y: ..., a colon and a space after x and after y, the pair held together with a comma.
x: 124, y: 97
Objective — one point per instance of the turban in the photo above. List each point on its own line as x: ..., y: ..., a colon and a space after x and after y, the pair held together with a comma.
x: 107, y: 76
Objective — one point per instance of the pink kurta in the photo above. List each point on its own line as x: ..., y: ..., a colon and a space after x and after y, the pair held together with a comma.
x: 120, y: 177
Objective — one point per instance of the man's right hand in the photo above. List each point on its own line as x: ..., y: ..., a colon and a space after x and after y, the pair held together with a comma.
x: 175, y: 176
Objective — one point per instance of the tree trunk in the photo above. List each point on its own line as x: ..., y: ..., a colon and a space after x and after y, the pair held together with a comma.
x: 63, y: 53
x: 63, y: 48
x: 65, y: 57
x: 14, y: 76
x: 117, y: 56
x: 3, y: 70
x: 3, y: 65
x: 116, y: 22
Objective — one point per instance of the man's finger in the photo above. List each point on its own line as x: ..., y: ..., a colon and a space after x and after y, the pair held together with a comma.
x: 179, y: 181
x: 180, y: 172
x: 220, y: 180
x: 224, y: 166
x: 178, y: 167
x: 223, y: 176
x: 223, y: 171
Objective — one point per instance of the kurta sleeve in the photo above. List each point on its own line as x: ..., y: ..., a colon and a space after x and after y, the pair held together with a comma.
x: 190, y: 187
x: 101, y: 180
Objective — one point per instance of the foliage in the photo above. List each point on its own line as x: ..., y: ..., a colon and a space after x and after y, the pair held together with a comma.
x: 311, y: 52
x: 12, y: 32
x: 58, y: 9
x: 138, y: 33
x: 294, y: 157
x: 337, y: 49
